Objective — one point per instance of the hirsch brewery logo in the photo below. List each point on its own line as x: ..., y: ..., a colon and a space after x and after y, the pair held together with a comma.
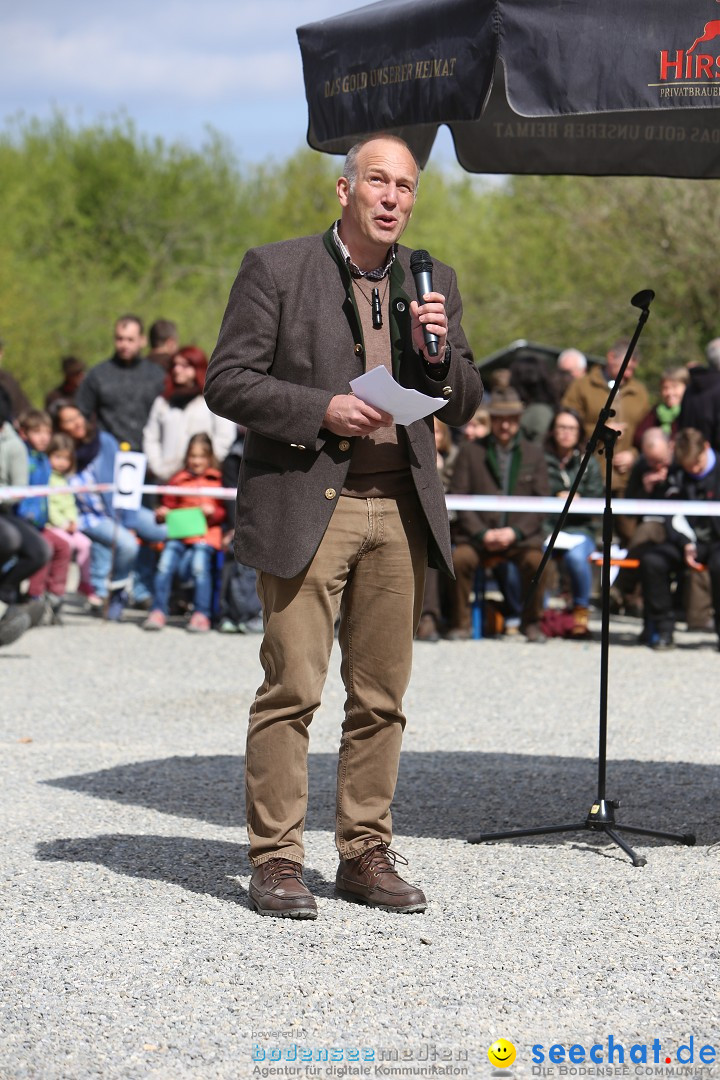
x: 690, y: 71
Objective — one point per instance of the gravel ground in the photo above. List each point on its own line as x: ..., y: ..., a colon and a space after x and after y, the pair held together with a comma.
x: 129, y: 950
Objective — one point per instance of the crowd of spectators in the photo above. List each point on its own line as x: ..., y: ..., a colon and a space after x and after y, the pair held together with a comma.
x: 173, y: 555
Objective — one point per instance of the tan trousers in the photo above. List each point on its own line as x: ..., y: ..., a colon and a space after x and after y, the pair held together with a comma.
x: 370, y: 567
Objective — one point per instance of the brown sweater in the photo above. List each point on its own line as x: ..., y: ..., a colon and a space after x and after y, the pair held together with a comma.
x: 379, y: 466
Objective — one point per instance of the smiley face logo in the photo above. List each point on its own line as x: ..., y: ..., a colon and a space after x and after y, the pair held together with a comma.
x: 501, y: 1054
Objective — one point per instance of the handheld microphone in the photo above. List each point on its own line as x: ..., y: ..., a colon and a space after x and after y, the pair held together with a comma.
x: 421, y: 268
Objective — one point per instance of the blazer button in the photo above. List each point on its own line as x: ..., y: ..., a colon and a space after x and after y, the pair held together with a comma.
x: 344, y: 444
x: 447, y: 391
x: 400, y: 306
x: 358, y: 350
x: 330, y: 493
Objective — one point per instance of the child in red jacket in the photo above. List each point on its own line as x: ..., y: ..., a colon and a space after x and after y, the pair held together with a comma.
x: 191, y: 558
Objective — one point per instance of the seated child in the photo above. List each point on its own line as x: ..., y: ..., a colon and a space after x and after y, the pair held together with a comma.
x: 63, y: 511
x: 192, y: 558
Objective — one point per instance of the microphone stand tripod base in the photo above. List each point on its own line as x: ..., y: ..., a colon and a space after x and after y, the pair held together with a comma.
x: 600, y: 818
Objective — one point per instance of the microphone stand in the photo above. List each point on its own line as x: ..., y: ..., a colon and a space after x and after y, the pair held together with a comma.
x: 601, y: 816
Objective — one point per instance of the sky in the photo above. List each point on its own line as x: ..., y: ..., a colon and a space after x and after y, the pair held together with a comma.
x: 173, y: 66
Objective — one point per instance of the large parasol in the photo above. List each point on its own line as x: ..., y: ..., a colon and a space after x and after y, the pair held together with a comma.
x: 593, y: 87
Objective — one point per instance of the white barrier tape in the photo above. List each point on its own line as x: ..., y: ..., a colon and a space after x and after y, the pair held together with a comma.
x: 10, y: 494
x: 511, y: 503
x: 209, y: 492
x: 544, y: 505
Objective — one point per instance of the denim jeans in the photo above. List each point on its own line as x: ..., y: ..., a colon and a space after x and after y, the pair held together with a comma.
x: 150, y: 530
x: 119, y: 567
x: 580, y: 571
x: 191, y: 562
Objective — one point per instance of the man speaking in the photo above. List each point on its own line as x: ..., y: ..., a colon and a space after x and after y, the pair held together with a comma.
x: 339, y: 510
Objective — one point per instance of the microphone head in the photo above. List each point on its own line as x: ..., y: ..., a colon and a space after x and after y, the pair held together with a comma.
x: 643, y: 299
x: 420, y: 262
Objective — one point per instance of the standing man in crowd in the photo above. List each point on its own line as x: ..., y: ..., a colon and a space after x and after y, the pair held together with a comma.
x: 73, y: 374
x: 587, y: 395
x: 339, y: 510
x: 121, y: 390
x: 164, y: 343
x: 700, y: 407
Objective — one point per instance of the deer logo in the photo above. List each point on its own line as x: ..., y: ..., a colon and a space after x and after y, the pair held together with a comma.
x: 712, y: 30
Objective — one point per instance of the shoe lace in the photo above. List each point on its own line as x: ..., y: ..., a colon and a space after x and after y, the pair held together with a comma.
x: 380, y: 859
x: 281, y: 869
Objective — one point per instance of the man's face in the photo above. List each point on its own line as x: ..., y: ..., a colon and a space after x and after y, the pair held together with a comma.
x: 505, y: 428
x: 658, y: 457
x: 376, y: 211
x: 698, y: 465
x: 614, y: 362
x: 571, y: 363
x: 129, y: 341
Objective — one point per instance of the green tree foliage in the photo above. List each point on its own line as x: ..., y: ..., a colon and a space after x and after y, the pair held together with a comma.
x: 98, y: 221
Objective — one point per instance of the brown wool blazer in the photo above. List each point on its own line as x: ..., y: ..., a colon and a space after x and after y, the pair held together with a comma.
x: 290, y: 341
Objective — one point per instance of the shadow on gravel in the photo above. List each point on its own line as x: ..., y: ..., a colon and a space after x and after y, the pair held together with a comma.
x: 439, y: 794
x: 201, y: 866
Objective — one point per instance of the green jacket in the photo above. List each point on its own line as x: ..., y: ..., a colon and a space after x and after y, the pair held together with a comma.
x: 62, y: 509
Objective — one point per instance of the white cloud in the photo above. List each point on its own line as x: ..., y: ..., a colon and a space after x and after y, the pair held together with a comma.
x: 108, y: 66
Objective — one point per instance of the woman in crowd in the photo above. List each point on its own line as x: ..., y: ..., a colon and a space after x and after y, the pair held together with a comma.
x: 114, y: 534
x: 478, y: 426
x: 563, y: 454
x: 179, y: 413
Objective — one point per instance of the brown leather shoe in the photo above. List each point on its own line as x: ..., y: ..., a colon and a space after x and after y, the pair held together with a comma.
x: 371, y: 878
x: 277, y: 888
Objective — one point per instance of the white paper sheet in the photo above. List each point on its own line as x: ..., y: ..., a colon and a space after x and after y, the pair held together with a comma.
x: 565, y: 541
x: 378, y: 388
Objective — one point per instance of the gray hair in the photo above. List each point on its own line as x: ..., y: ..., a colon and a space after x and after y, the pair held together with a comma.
x: 573, y: 358
x: 712, y: 352
x: 350, y: 170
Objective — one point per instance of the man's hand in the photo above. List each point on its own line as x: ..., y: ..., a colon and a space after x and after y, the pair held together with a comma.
x: 348, y: 415
x: 499, y: 539
x: 431, y: 315
x: 653, y: 477
x: 161, y: 512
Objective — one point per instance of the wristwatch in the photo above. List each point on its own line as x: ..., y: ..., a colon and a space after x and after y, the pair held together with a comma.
x: 438, y: 370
